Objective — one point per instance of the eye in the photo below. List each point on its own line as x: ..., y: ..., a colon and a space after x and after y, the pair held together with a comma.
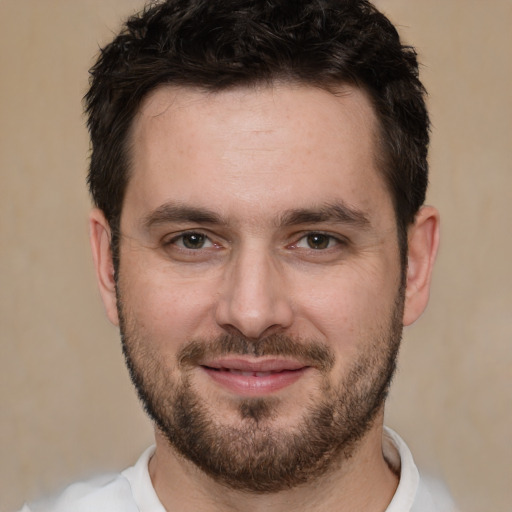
x: 192, y: 241
x: 317, y: 241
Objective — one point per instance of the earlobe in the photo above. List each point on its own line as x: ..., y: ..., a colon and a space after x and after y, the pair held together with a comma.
x: 100, y: 238
x: 423, y: 240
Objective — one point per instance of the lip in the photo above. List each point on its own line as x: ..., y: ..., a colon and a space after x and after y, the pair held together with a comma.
x: 259, y: 377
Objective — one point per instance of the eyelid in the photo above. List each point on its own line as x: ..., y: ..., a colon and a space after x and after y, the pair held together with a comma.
x: 337, y: 238
x: 172, y: 240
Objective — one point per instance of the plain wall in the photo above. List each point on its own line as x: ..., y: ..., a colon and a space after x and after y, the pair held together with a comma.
x: 67, y: 409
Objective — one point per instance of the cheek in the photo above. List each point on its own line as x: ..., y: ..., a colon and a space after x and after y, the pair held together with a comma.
x: 164, y: 310
x: 351, y: 307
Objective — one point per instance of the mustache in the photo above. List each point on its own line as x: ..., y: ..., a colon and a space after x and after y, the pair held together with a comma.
x: 311, y: 353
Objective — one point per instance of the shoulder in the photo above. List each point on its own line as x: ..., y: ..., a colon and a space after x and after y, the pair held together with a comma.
x: 416, y: 491
x: 129, y: 491
x: 108, y: 492
x: 432, y: 494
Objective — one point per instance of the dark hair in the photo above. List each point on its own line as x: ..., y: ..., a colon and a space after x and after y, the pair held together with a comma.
x: 218, y: 44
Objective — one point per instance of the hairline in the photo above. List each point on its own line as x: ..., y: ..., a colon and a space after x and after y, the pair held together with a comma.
x: 337, y: 88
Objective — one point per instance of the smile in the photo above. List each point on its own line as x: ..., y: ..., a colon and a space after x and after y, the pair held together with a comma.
x: 254, y: 378
x: 249, y: 374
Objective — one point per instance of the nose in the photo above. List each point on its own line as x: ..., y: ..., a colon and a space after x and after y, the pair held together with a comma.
x: 254, y: 300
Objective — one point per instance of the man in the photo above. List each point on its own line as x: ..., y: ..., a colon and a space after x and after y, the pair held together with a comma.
x: 259, y: 171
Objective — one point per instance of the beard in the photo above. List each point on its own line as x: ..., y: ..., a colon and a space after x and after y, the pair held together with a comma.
x: 255, y: 455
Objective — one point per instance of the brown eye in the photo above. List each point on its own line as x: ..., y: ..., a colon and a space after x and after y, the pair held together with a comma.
x: 318, y: 241
x: 192, y: 240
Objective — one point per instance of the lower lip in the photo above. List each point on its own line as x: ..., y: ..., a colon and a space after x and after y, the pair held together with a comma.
x: 252, y: 385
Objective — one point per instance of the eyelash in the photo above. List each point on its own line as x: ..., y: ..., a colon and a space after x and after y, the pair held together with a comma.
x: 182, y: 236
x: 332, y: 241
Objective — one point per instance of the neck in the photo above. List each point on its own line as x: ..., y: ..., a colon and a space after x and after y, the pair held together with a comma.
x: 363, y: 482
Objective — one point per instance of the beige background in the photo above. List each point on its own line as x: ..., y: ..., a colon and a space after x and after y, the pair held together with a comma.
x: 66, y: 407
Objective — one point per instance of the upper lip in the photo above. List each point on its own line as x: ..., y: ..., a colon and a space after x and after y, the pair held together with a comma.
x: 256, y: 365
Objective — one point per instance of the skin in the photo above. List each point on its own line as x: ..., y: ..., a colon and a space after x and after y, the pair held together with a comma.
x: 250, y: 157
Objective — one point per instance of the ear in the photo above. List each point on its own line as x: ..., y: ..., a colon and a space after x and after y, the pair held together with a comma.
x: 100, y: 237
x: 423, y: 239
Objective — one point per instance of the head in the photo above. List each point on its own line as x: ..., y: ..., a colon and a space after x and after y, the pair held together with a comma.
x: 215, y: 46
x: 259, y: 169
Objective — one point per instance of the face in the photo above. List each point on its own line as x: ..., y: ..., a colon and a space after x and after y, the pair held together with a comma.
x: 259, y: 288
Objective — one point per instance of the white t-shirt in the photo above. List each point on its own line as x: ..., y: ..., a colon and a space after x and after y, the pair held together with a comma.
x: 132, y: 490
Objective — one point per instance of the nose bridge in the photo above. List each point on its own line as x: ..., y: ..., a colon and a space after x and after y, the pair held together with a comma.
x: 253, y: 298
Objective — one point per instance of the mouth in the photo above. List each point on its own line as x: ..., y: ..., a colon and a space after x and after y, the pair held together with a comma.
x: 254, y: 377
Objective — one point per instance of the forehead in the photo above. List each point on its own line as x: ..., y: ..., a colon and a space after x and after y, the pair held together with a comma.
x: 286, y: 144
x: 307, y: 110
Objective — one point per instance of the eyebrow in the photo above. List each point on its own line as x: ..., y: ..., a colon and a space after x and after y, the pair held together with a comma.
x: 337, y: 212
x: 175, y: 212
